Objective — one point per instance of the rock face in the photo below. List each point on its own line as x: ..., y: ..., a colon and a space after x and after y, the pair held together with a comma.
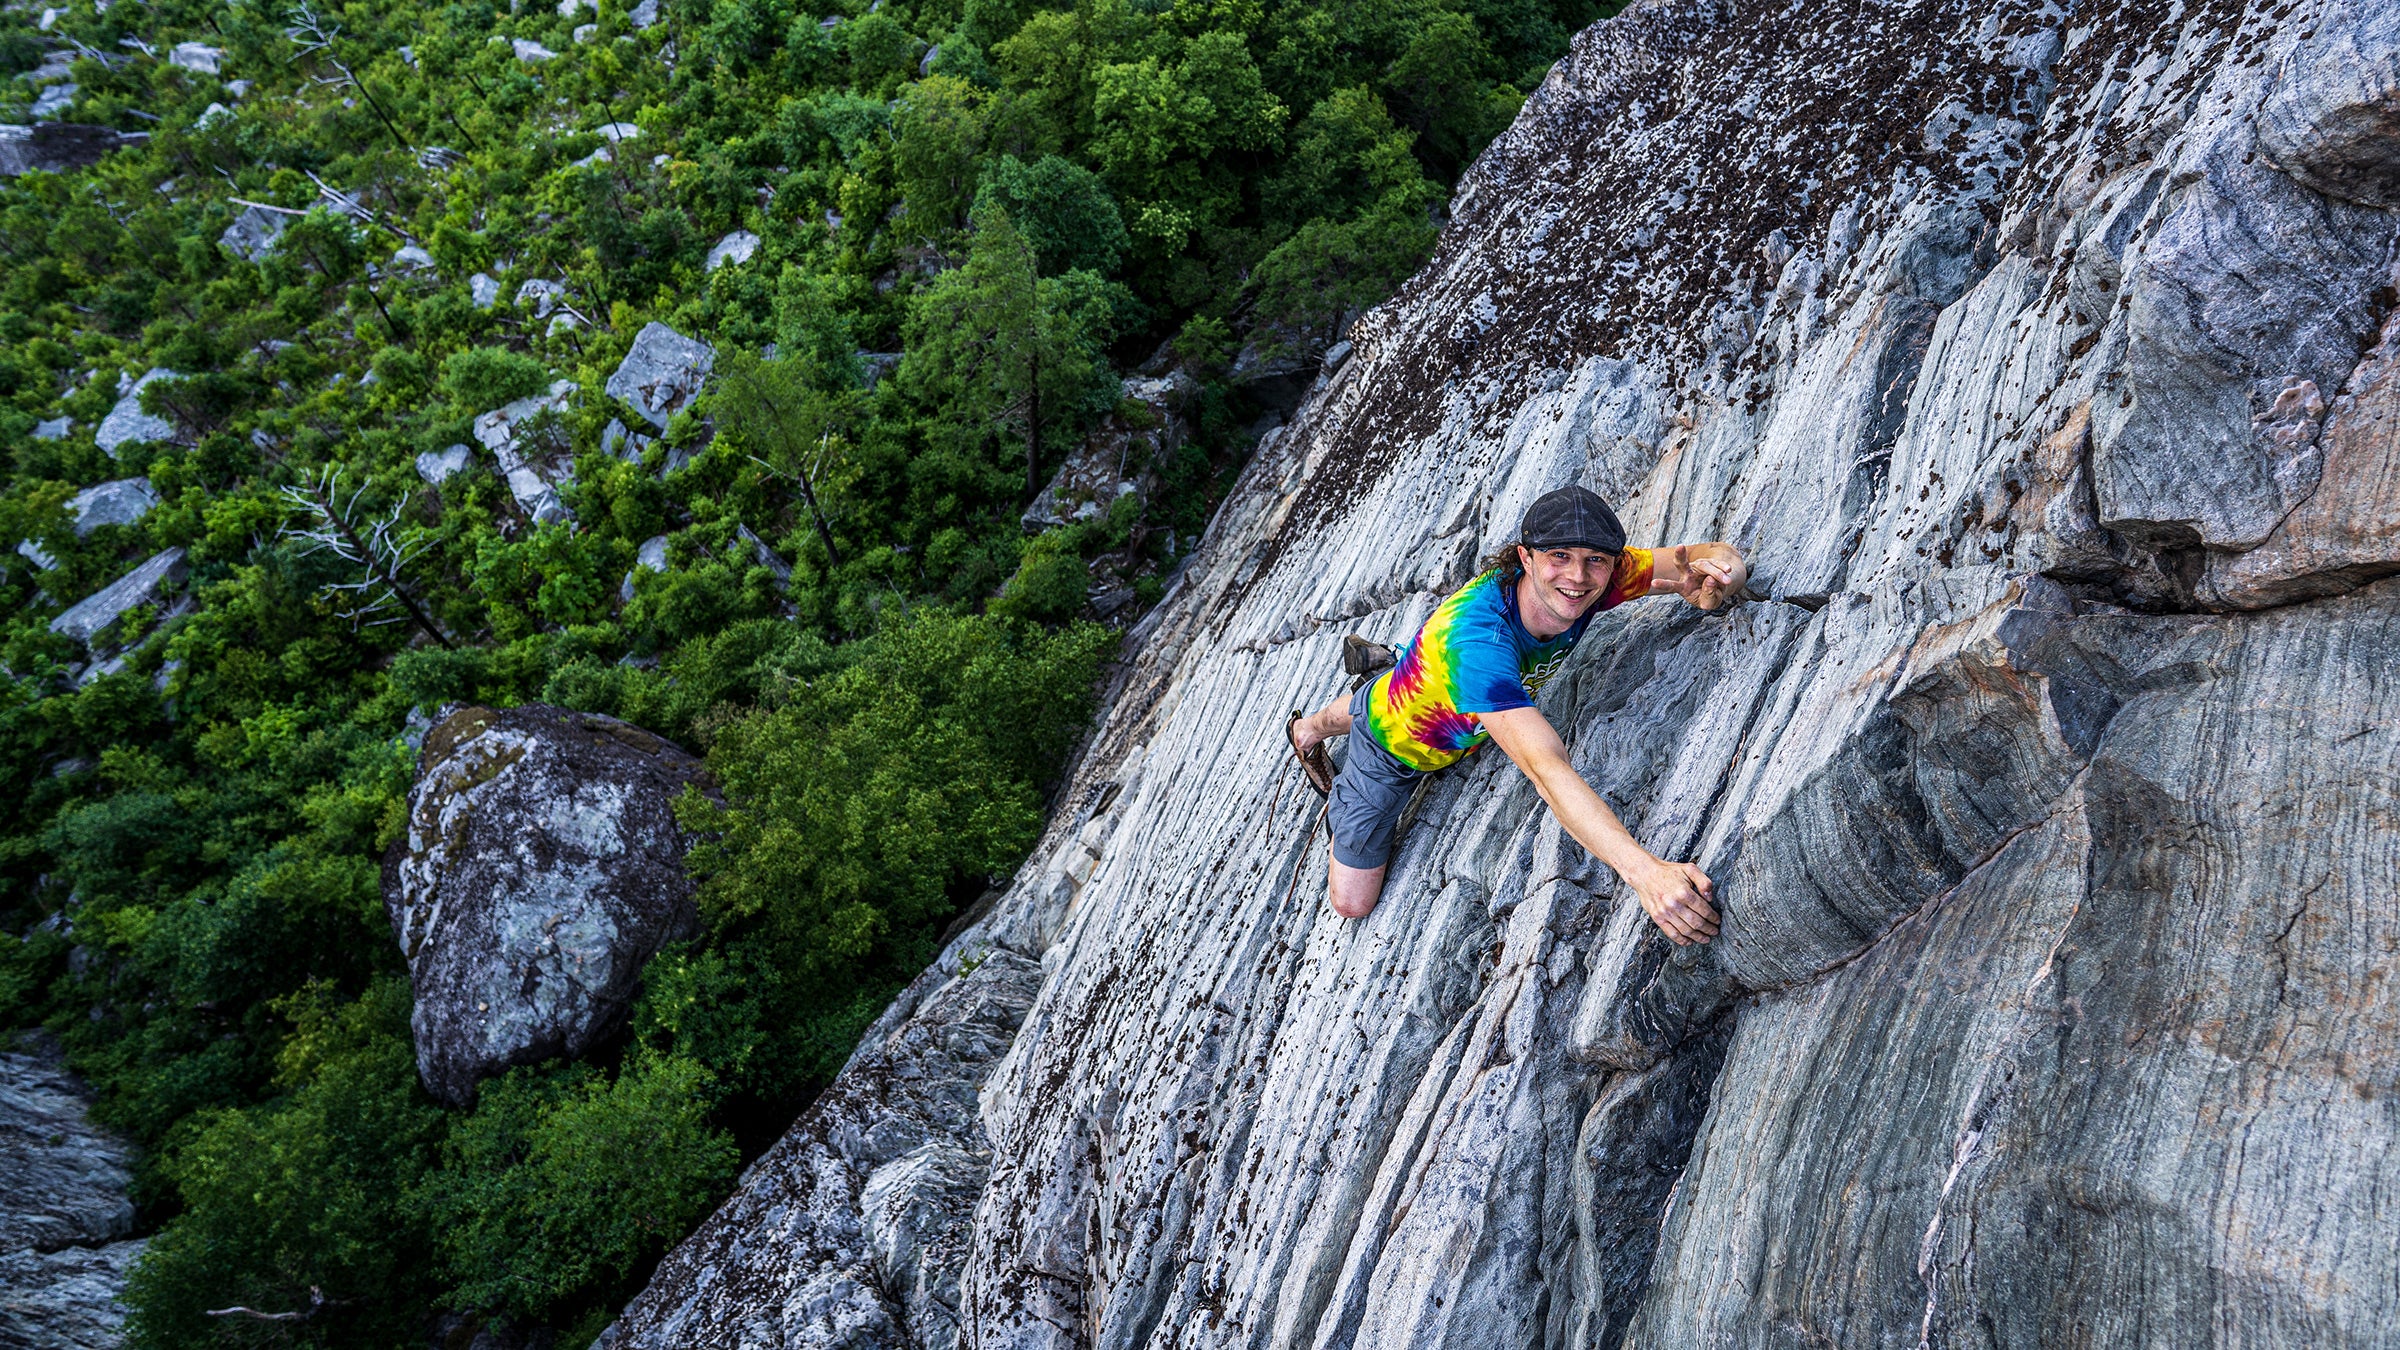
x: 542, y: 866
x: 2039, y: 356
x: 64, y: 1213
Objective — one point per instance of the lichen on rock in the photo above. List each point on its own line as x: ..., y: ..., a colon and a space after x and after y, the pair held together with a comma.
x: 542, y: 866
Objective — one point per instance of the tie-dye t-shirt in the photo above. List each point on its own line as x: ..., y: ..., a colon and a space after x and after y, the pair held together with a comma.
x: 1475, y: 656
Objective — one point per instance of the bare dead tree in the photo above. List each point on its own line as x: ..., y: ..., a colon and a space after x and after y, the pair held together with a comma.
x: 377, y: 546
x: 309, y: 32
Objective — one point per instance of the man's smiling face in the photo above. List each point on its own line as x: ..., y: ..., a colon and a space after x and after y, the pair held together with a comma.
x: 1561, y: 585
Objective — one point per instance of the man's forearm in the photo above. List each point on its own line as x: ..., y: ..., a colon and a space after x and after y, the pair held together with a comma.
x: 1587, y: 819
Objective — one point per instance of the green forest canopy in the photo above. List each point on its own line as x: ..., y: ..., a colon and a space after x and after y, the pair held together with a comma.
x: 972, y: 218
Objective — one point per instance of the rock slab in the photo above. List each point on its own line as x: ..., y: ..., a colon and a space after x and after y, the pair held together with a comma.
x: 541, y: 868
x: 64, y: 1214
x: 2039, y: 356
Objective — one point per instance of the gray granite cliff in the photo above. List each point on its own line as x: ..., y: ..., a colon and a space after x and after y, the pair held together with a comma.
x: 2042, y: 356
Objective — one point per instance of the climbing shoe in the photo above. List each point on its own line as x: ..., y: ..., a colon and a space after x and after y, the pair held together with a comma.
x: 1313, y: 761
x: 1361, y: 657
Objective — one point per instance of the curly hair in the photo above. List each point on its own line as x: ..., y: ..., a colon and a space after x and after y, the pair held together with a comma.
x: 1505, y: 562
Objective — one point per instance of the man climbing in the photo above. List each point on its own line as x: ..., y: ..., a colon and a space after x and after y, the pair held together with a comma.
x: 1472, y: 672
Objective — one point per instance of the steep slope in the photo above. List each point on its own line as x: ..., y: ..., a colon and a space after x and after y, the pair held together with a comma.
x: 2041, y: 359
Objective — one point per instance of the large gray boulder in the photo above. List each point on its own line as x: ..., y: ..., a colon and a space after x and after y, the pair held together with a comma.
x: 661, y: 372
x: 541, y: 867
x: 253, y: 233
x: 2040, y: 357
x: 64, y: 1212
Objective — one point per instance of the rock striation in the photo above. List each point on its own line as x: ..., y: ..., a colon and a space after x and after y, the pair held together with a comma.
x: 64, y: 1213
x: 2039, y: 356
x: 541, y: 868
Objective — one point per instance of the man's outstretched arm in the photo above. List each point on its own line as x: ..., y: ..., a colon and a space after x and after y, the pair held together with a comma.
x: 1674, y: 894
x: 1703, y: 574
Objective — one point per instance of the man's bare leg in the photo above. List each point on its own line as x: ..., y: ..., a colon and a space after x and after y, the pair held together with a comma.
x: 1354, y: 889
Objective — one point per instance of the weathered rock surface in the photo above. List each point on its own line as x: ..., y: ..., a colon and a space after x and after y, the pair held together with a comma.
x: 149, y: 584
x: 2039, y: 356
x: 852, y: 1230
x: 542, y: 866
x: 126, y: 422
x: 64, y: 1213
x: 661, y: 372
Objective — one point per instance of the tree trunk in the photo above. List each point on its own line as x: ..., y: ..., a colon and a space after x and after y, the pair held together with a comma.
x: 1033, y: 428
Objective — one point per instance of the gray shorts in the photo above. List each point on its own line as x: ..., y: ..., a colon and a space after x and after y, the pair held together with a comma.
x: 1368, y: 795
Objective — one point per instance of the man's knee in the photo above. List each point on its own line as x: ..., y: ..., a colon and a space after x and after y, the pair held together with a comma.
x: 1353, y: 890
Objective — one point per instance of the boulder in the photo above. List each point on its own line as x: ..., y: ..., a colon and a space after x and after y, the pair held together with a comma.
x: 126, y: 422
x: 533, y: 471
x: 54, y: 101
x: 149, y: 584
x: 661, y: 372
x: 530, y: 51
x: 435, y: 465
x: 121, y: 501
x: 64, y: 1210
x: 541, y: 867
x: 737, y: 247
x: 541, y: 296
x: 56, y: 147
x: 1119, y: 458
x: 644, y: 15
x: 650, y: 557
x: 197, y: 57
x: 53, y: 429
x: 484, y: 290
x: 253, y: 233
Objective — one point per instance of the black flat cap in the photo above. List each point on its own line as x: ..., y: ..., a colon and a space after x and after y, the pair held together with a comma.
x: 1572, y: 517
